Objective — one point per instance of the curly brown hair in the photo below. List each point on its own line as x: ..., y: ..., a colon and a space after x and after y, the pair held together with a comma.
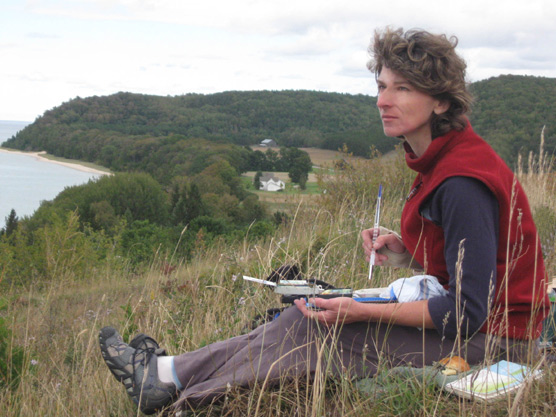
x: 430, y: 63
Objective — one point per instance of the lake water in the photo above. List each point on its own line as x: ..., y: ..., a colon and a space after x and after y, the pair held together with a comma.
x: 8, y: 128
x: 25, y: 181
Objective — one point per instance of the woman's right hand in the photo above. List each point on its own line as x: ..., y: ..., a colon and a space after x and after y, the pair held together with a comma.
x: 386, y: 239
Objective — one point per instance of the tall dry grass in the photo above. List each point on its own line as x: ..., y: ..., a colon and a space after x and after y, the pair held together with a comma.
x: 206, y: 300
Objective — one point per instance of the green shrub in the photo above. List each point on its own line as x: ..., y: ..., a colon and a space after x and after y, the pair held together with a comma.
x: 12, y: 358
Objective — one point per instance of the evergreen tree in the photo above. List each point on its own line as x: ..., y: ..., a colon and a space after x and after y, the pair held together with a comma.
x: 257, y: 180
x: 11, y: 223
x: 193, y: 203
x: 179, y: 212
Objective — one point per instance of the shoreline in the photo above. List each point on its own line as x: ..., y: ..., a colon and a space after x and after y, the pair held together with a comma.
x: 39, y: 156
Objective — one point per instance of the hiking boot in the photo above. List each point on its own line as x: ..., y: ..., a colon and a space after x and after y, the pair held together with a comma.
x: 136, y: 367
x: 146, y: 342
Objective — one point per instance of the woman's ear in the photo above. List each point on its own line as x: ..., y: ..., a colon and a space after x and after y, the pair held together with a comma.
x: 441, y: 107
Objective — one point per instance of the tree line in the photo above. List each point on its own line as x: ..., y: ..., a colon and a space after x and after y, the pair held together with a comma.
x: 292, y: 118
x: 509, y: 112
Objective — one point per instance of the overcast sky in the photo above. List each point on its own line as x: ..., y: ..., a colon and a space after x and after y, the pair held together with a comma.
x: 55, y: 50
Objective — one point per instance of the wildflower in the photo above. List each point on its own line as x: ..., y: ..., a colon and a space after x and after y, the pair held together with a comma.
x: 34, y: 362
x: 234, y: 277
x: 241, y: 301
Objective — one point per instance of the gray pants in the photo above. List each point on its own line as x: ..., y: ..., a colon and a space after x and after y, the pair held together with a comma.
x: 293, y: 347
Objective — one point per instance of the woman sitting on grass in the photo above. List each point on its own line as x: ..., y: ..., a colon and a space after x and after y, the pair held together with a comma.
x: 466, y: 222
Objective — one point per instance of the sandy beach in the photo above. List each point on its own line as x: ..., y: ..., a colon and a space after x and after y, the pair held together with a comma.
x: 40, y: 157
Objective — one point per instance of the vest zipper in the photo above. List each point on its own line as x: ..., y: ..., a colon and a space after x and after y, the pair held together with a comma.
x: 414, y: 191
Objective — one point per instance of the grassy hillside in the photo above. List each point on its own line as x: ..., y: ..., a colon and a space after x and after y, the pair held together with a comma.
x: 53, y: 324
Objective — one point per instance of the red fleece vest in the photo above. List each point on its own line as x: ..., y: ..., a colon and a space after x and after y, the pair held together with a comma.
x: 519, y: 257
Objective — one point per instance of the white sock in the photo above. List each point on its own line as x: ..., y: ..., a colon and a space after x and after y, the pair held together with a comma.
x: 167, y: 371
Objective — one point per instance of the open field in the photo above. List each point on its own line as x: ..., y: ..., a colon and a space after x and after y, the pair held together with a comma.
x: 319, y: 157
x: 281, y: 175
x: 278, y: 200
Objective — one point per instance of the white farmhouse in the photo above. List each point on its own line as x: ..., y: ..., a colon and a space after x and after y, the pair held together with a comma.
x: 271, y: 183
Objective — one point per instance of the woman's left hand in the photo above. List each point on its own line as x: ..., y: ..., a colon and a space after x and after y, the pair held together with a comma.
x: 334, y: 310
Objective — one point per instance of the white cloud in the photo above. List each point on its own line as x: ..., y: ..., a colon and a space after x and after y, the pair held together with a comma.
x: 54, y: 50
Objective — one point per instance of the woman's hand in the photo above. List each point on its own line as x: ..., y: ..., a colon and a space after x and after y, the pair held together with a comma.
x: 386, y: 239
x: 334, y: 310
x: 344, y: 310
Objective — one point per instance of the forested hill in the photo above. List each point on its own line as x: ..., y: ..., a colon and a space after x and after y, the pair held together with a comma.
x: 242, y: 118
x: 292, y: 118
x: 128, y: 131
x: 509, y: 112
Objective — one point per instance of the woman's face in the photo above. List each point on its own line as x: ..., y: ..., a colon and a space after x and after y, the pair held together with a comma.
x: 406, y: 111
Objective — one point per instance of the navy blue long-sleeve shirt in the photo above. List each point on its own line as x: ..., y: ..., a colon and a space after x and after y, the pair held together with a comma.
x: 467, y: 211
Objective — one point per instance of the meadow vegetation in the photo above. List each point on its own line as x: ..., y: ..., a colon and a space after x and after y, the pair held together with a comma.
x: 50, y: 318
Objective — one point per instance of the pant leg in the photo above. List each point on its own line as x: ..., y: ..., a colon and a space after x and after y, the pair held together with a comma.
x: 280, y: 347
x: 294, y: 347
x: 196, y: 367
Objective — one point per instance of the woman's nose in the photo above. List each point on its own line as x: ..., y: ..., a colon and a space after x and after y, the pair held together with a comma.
x: 383, y: 99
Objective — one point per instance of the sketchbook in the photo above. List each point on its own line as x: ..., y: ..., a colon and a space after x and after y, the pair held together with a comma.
x: 493, y: 382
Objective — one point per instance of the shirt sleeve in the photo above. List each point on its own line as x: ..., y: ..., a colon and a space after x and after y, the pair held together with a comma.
x: 468, y: 213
